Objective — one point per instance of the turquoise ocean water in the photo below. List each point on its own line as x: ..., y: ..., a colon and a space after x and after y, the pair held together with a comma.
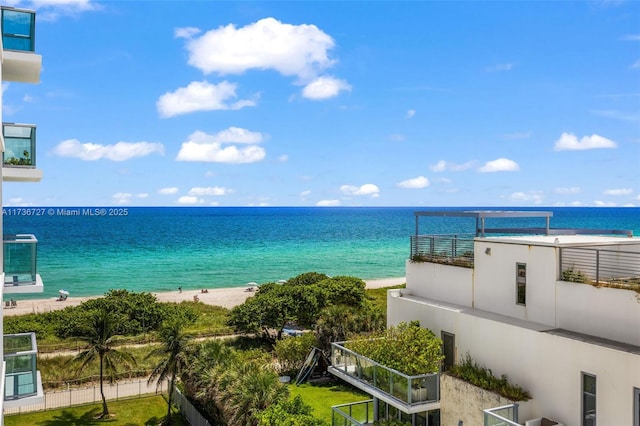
x: 88, y: 251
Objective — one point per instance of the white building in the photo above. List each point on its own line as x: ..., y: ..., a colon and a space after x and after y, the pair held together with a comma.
x: 557, y: 311
x: 21, y: 384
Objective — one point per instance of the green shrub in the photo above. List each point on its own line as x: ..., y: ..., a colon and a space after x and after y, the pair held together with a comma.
x: 470, y: 371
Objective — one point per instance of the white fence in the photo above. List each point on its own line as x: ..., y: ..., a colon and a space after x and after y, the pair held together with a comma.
x: 189, y: 412
x: 90, y: 395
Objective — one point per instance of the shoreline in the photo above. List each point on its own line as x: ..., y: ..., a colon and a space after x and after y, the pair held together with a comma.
x: 225, y: 297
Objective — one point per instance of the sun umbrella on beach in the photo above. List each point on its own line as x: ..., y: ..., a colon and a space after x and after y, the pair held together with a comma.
x: 63, y: 292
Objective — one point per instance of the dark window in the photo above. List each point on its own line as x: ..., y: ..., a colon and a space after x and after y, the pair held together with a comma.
x: 448, y: 350
x: 588, y: 400
x: 521, y: 283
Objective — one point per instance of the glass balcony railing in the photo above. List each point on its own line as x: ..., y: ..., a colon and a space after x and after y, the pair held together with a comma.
x: 506, y: 415
x: 20, y: 354
x: 20, y: 259
x: 19, y: 145
x: 354, y: 414
x: 18, y: 29
x: 409, y: 390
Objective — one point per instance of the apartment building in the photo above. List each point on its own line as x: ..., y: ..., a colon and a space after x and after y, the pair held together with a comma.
x: 556, y: 310
x: 21, y: 383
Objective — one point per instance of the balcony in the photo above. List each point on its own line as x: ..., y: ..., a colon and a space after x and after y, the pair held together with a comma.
x: 19, y: 62
x: 601, y: 267
x: 455, y: 250
x: 355, y: 414
x: 410, y: 394
x: 23, y: 384
x: 19, y: 156
x: 20, y: 260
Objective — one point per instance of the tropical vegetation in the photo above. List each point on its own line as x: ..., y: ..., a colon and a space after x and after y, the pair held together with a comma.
x: 470, y: 371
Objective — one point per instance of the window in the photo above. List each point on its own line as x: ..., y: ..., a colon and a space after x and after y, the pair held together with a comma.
x: 521, y: 283
x: 636, y: 407
x: 449, y: 351
x: 588, y: 400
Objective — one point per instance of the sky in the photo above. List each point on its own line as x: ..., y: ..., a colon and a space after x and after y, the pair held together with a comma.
x: 340, y: 103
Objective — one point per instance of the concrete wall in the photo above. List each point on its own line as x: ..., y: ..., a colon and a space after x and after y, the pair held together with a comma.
x: 495, y: 280
x: 462, y: 401
x: 599, y: 311
x: 549, y: 367
x: 453, y: 284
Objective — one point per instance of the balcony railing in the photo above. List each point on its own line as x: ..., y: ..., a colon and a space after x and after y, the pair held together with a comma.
x: 408, y: 390
x: 501, y: 416
x: 604, y: 267
x: 355, y: 414
x: 21, y: 376
x: 18, y: 29
x: 19, y: 145
x: 454, y: 250
x: 20, y: 259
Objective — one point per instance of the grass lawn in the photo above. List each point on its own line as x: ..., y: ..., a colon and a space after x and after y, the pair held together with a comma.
x: 321, y: 397
x: 147, y: 411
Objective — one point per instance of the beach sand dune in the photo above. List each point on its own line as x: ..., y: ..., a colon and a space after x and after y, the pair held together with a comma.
x: 225, y: 297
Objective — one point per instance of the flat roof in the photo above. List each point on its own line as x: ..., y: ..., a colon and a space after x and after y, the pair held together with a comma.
x: 566, y: 239
x: 484, y: 213
x: 481, y: 229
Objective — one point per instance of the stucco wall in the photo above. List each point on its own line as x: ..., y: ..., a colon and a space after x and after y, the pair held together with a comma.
x: 453, y: 284
x: 461, y: 401
x: 599, y: 311
x: 548, y: 366
x: 495, y: 280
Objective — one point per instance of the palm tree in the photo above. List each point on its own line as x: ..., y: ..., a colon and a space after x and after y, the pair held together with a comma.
x: 174, y: 350
x: 248, y: 388
x: 100, y: 336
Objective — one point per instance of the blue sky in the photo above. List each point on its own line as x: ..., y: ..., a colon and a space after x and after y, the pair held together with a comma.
x: 333, y: 104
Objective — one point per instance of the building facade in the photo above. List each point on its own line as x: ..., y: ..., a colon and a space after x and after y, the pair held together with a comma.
x: 21, y: 382
x: 556, y: 310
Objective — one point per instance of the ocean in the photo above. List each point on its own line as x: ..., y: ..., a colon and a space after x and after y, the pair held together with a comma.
x: 88, y: 250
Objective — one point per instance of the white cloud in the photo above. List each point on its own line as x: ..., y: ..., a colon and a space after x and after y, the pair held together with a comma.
x: 636, y: 64
x: 569, y: 142
x: 50, y: 10
x: 122, y: 197
x: 414, y: 183
x: 396, y: 137
x: 211, y: 191
x: 500, y: 67
x: 568, y: 190
x: 186, y: 32
x: 411, y: 113
x: 499, y: 165
x: 618, y: 192
x: 205, y: 147
x: 442, y: 166
x: 325, y: 88
x: 142, y: 195
x: 292, y: 50
x: 328, y: 203
x: 533, y: 196
x: 168, y: 191
x: 120, y: 151
x: 187, y: 199
x: 631, y: 37
x: 305, y: 193
x: 200, y: 96
x: 366, y: 189
x: 283, y: 158
x: 618, y: 115
x: 599, y: 203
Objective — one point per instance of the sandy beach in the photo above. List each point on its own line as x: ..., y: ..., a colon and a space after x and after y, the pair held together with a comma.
x: 226, y: 297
